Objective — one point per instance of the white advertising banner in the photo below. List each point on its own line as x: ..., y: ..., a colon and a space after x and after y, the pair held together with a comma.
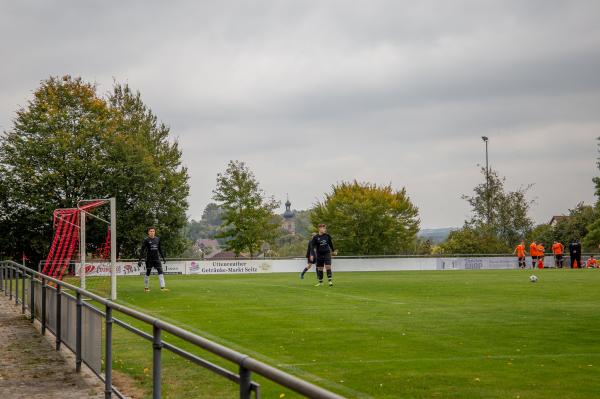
x: 477, y: 263
x: 248, y: 266
x: 244, y: 266
x: 98, y: 269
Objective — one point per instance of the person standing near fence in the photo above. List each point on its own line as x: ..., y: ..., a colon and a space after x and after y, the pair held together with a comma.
x: 152, y: 249
x: 533, y: 252
x: 557, y: 251
x: 575, y: 254
x: 520, y: 252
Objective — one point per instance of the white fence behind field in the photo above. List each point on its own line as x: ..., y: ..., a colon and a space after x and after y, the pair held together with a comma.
x: 249, y: 266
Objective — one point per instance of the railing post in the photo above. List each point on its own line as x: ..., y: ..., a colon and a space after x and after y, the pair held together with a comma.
x: 245, y: 382
x: 16, y: 286
x: 23, y: 278
x: 156, y: 363
x: 43, y: 306
x: 108, y: 355
x: 1, y: 276
x: 78, y: 335
x: 58, y: 316
x: 32, y: 297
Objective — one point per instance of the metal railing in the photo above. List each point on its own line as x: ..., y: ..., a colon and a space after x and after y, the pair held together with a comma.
x: 13, y: 272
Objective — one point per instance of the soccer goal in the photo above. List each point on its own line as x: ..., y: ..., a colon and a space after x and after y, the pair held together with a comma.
x: 92, y: 261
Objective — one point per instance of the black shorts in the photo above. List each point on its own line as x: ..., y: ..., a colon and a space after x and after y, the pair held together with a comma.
x: 153, y: 264
x: 521, y: 258
x: 534, y: 257
x: 558, y: 257
x: 323, y: 260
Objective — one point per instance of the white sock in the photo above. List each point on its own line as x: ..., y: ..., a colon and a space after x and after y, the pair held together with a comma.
x: 161, y: 280
x: 146, y: 281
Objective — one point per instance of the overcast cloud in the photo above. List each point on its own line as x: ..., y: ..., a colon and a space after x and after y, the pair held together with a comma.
x: 310, y: 93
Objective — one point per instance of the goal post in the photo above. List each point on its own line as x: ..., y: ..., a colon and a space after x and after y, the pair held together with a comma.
x: 83, y: 206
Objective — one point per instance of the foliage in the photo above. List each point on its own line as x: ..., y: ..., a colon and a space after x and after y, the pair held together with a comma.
x: 248, y: 218
x: 508, y: 211
x: 304, y: 227
x: 68, y: 144
x: 366, y: 219
x: 575, y: 226
x: 423, y: 246
x: 208, y: 226
x: 543, y: 233
x: 469, y: 240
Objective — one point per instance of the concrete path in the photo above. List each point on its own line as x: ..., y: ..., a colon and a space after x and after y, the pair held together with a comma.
x: 31, y: 368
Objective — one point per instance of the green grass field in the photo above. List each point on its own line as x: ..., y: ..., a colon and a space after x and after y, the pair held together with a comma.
x: 443, y: 334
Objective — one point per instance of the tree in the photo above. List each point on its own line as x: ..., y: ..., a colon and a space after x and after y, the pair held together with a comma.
x: 366, y: 219
x: 575, y: 226
x: 208, y: 226
x: 248, y: 218
x: 543, y: 233
x: 592, y: 238
x: 469, y: 240
x: 508, y: 210
x: 146, y: 175
x: 68, y: 144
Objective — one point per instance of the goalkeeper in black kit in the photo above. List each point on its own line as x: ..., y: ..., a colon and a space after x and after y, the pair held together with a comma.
x: 152, y: 250
x: 323, y: 247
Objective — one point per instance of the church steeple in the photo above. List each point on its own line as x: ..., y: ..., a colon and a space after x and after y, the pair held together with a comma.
x: 288, y: 214
x: 289, y: 222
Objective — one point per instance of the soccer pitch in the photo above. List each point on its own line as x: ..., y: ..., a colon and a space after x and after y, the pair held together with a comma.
x: 439, y: 334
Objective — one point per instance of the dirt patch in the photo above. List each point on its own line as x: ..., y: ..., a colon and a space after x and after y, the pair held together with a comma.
x: 127, y: 385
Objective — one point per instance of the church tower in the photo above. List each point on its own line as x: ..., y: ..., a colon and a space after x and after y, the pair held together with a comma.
x: 289, y: 218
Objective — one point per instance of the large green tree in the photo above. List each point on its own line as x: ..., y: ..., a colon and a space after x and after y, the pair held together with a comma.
x: 575, y: 225
x: 248, y: 214
x: 68, y: 144
x: 498, y: 212
x: 367, y: 219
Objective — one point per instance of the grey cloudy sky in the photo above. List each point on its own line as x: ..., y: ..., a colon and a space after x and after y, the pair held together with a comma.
x: 309, y: 93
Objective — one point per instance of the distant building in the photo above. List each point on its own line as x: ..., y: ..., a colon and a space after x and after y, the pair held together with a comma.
x: 555, y: 219
x: 289, y: 218
x: 207, y: 243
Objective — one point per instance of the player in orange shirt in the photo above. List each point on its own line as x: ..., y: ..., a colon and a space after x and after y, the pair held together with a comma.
x: 558, y: 249
x: 533, y: 252
x: 592, y: 263
x: 540, y: 253
x: 520, y: 252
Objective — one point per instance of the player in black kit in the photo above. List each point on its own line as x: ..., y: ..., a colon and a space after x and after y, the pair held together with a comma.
x: 310, y: 258
x: 323, y: 246
x: 153, y: 251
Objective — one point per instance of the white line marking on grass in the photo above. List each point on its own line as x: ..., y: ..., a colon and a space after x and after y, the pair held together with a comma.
x: 453, y: 358
x: 329, y: 292
x: 257, y: 355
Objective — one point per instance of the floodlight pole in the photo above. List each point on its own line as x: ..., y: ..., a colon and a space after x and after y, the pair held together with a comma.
x: 113, y: 248
x: 82, y: 247
x: 487, y: 180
